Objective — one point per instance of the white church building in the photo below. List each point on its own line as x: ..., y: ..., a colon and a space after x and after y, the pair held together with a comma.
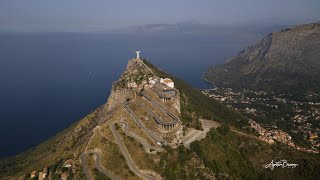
x: 167, y: 82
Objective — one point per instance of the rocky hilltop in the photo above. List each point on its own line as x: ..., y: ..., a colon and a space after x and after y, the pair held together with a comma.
x: 156, y: 126
x: 282, y: 61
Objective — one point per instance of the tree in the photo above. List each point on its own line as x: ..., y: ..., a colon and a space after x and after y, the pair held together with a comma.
x: 224, y: 129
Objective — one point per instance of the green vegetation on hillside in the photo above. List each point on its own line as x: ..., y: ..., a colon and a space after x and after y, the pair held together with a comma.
x: 99, y: 176
x: 286, y: 61
x: 222, y: 157
x: 195, y: 104
x: 61, y: 146
x: 223, y: 154
x: 243, y: 157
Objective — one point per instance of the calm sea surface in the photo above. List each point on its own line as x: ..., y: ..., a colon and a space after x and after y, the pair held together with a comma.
x: 48, y: 81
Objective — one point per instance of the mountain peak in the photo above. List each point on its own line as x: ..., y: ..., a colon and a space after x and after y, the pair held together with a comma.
x: 285, y: 60
x: 153, y: 126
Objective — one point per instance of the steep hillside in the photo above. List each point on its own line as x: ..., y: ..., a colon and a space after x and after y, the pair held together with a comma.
x: 282, y: 61
x: 137, y: 135
x: 195, y: 104
x: 233, y: 155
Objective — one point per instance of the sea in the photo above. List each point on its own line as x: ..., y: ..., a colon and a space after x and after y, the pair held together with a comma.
x: 50, y: 80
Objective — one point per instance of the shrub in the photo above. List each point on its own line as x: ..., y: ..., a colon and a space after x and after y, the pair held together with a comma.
x: 224, y: 129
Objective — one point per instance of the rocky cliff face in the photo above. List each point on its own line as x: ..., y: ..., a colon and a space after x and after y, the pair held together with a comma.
x: 117, y: 97
x: 135, y: 71
x: 95, y: 143
x: 282, y: 61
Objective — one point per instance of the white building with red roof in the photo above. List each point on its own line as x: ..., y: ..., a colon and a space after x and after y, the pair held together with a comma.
x: 167, y: 82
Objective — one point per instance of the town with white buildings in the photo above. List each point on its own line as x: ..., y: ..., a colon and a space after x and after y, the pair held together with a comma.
x: 286, y: 118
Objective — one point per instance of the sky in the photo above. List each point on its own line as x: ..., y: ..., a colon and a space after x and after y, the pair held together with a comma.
x: 86, y: 15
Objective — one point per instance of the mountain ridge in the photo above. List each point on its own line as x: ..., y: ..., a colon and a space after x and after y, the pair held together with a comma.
x: 191, y: 27
x: 282, y: 61
x: 97, y: 141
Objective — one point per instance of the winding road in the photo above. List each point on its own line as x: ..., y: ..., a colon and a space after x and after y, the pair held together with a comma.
x: 131, y: 164
x: 97, y: 164
x: 155, y: 103
x: 145, y: 144
x: 85, y: 167
x: 155, y: 137
x: 164, y: 93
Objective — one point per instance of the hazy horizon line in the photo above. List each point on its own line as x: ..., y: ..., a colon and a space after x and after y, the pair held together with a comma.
x: 104, y: 29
